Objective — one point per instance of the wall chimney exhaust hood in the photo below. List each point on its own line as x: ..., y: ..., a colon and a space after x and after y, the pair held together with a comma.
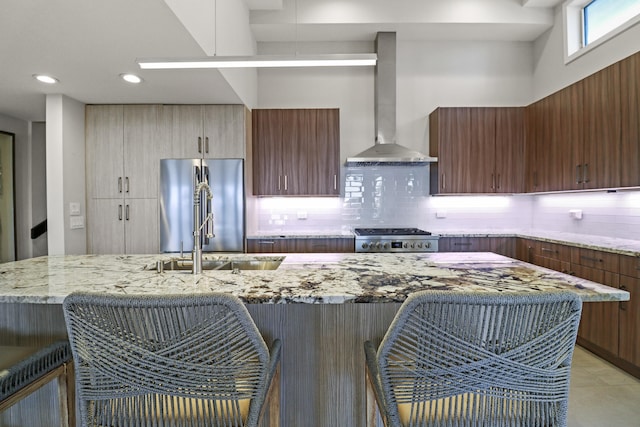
x: 386, y: 152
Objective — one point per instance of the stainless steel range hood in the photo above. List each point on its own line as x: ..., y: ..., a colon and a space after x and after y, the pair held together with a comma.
x: 386, y: 151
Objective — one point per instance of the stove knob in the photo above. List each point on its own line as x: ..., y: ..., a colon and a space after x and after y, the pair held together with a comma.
x: 419, y: 244
x: 405, y: 245
x: 427, y: 244
x: 413, y: 245
x: 378, y: 245
x: 386, y: 246
x: 364, y: 246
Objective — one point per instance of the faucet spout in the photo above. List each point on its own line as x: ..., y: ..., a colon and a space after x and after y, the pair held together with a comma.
x: 197, y: 226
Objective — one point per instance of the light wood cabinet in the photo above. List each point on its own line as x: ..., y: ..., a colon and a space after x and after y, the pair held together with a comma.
x: 123, y: 149
x: 296, y: 152
x: 206, y: 131
x: 479, y: 150
x: 124, y: 146
x: 123, y: 226
x: 301, y: 245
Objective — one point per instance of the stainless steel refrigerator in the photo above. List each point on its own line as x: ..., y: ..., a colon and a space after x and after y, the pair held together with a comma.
x: 178, y: 179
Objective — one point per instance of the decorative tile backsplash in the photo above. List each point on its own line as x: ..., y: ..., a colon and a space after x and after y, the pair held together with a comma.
x: 397, y: 196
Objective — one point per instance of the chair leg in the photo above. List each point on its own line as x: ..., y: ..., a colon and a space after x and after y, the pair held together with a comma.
x: 370, y: 406
x: 64, y: 396
x: 274, y: 400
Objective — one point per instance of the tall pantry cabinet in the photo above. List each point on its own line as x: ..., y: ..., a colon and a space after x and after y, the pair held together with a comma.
x: 123, y: 153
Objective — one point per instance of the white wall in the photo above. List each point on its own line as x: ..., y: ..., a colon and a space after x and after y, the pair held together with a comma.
x: 65, y: 173
x: 550, y: 73
x: 22, y: 131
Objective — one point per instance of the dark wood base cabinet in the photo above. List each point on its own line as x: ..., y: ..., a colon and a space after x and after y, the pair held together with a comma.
x: 501, y: 245
x: 609, y: 329
x: 301, y: 245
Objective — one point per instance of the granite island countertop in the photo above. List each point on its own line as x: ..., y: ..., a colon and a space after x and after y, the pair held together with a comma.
x: 301, y: 278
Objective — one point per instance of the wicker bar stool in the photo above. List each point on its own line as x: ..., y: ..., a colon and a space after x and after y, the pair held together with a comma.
x: 469, y: 359
x: 24, y: 370
x: 170, y: 361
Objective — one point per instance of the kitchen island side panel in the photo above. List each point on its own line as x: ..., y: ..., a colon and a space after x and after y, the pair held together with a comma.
x: 322, y: 365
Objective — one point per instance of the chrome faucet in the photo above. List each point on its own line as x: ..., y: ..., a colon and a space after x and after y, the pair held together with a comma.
x: 196, y: 255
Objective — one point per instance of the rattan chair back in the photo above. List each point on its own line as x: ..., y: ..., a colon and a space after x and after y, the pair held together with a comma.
x: 469, y: 359
x: 166, y: 360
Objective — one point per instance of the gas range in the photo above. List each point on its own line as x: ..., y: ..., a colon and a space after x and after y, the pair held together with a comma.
x: 395, y: 240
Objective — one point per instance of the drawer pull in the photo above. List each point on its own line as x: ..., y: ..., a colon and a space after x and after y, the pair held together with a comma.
x: 266, y: 242
x: 462, y: 244
x: 549, y: 250
x: 588, y: 258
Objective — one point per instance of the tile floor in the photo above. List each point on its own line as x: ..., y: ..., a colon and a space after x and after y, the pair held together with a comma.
x: 601, y: 394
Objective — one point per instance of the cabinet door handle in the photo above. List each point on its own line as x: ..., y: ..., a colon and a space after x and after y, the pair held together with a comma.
x: 499, y: 181
x: 443, y: 182
x: 588, y: 258
x: 119, y: 184
x: 335, y: 182
x: 493, y: 182
x: 586, y: 172
x: 206, y: 145
x: 126, y: 184
x: 126, y: 213
x: 285, y: 183
x: 200, y: 144
x: 279, y: 182
x: 578, y: 181
x: 119, y: 212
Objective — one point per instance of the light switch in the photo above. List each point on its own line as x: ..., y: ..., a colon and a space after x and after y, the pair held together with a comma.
x: 76, y: 222
x: 74, y: 208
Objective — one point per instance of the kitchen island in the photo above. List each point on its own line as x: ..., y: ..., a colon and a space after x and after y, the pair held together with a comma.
x: 322, y: 306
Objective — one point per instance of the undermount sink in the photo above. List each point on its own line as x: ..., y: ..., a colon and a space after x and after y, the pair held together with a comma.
x: 222, y: 264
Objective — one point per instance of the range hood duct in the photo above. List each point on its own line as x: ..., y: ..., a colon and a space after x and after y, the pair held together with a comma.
x: 386, y: 152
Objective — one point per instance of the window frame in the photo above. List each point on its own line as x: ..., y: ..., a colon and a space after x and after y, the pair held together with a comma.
x: 574, y: 30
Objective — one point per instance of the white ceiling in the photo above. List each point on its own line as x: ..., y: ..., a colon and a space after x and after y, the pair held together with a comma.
x: 86, y: 44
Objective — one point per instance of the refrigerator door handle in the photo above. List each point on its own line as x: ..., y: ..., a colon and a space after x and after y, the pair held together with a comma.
x: 205, y: 215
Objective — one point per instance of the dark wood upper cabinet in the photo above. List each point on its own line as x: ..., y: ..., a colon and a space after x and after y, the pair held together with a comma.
x: 602, y: 120
x: 296, y: 152
x: 267, y: 151
x: 630, y: 121
x: 479, y: 150
x: 509, y: 151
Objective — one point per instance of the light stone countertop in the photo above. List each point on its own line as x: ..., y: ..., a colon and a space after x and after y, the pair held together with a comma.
x: 301, y: 278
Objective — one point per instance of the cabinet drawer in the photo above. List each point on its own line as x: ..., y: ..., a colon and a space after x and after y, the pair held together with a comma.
x: 629, y: 266
x: 555, y: 251
x: 595, y: 259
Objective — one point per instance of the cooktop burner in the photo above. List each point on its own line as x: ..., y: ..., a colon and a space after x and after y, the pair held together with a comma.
x: 390, y: 232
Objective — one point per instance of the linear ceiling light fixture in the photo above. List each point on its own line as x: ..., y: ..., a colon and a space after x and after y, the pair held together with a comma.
x: 262, y: 61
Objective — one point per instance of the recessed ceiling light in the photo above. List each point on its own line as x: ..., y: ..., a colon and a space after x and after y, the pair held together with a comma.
x: 45, y: 79
x: 131, y: 78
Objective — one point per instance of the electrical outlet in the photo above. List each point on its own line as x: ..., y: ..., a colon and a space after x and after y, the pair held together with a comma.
x: 76, y: 222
